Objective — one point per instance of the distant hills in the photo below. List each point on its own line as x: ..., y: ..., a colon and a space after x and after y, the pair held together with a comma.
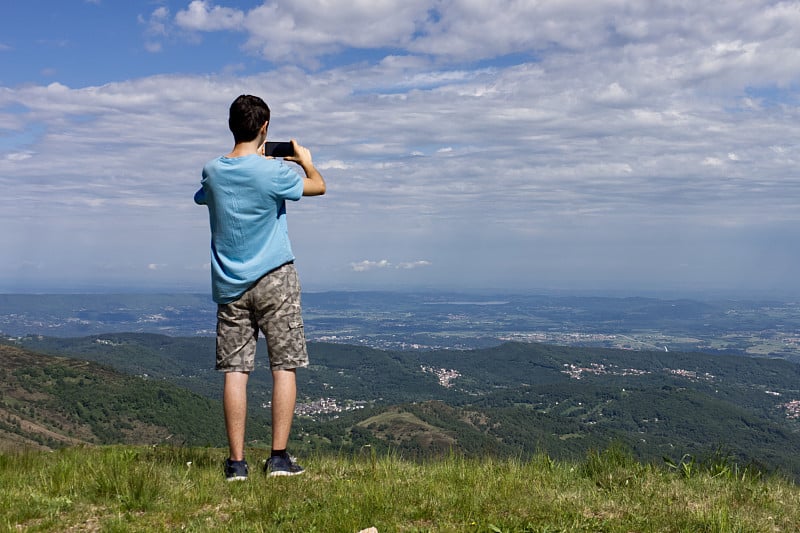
x: 435, y: 319
x: 510, y: 400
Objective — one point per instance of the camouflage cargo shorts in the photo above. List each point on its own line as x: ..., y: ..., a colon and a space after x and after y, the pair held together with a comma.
x: 271, y: 305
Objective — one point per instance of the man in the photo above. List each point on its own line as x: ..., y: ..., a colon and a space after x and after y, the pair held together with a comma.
x: 253, y: 278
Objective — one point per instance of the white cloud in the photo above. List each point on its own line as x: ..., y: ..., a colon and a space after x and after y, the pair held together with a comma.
x: 413, y: 264
x: 723, y: 40
x: 157, y: 27
x: 304, y: 29
x: 19, y: 156
x: 333, y: 164
x: 199, y: 16
x: 614, y: 93
x: 366, y: 265
x: 153, y: 47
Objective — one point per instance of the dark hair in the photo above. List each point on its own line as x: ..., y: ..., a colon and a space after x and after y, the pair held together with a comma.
x: 247, y: 114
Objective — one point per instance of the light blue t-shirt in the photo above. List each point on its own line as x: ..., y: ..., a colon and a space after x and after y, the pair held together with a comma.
x: 246, y: 199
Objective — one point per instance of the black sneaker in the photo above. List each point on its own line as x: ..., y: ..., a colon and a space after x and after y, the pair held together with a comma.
x: 235, y: 470
x: 282, y: 466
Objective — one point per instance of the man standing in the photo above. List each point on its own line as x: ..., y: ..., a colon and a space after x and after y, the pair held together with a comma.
x: 253, y: 278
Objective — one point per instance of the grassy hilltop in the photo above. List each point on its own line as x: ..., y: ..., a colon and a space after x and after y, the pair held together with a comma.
x: 122, y: 488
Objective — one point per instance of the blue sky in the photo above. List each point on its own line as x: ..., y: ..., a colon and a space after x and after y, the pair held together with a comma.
x: 596, y: 146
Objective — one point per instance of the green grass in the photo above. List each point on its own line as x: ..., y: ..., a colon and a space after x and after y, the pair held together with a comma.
x: 118, y: 488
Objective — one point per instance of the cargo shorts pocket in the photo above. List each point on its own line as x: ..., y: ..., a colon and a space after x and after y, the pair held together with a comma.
x: 287, y: 342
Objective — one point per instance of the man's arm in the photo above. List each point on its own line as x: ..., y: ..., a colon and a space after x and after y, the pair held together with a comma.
x: 314, y: 183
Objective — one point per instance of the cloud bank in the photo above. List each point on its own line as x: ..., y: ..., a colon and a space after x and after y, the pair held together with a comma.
x: 568, y: 144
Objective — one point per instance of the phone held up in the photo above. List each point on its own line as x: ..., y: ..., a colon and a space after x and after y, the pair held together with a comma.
x: 278, y: 149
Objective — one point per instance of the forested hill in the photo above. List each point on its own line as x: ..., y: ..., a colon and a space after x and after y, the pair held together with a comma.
x: 511, y: 400
x: 51, y: 402
x: 522, y: 398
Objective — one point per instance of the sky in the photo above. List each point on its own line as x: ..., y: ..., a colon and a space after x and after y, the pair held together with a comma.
x: 609, y: 145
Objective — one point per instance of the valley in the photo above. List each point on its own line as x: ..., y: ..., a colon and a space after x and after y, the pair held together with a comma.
x: 430, y: 321
x: 425, y: 375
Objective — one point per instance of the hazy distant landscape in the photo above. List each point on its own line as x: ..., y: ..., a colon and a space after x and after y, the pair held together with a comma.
x: 390, y: 320
x: 422, y: 374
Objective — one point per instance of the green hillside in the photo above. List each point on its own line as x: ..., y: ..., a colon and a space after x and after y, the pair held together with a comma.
x: 51, y: 402
x: 512, y: 400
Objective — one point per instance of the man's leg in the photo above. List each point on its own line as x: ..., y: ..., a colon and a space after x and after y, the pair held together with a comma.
x: 284, y: 395
x: 234, y: 401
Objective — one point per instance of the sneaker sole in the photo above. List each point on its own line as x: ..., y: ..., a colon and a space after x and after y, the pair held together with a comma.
x: 237, y: 478
x: 284, y: 473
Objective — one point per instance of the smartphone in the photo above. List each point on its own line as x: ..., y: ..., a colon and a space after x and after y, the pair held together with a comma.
x: 278, y: 149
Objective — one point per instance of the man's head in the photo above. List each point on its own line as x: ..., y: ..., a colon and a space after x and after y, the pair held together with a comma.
x: 248, y: 114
